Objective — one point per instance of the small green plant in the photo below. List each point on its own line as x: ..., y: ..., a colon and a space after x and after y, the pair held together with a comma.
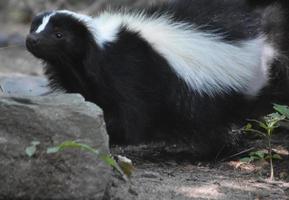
x: 75, y: 145
x: 269, y: 125
x: 125, y: 168
x: 283, y: 110
x: 259, y: 155
x: 109, y: 160
x: 31, y: 150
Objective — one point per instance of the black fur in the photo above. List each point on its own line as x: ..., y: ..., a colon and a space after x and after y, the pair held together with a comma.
x: 142, y: 98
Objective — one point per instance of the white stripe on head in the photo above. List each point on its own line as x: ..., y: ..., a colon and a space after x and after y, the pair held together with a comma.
x: 44, y: 23
x: 101, y: 35
x: 205, y: 62
x: 80, y: 17
x: 84, y: 18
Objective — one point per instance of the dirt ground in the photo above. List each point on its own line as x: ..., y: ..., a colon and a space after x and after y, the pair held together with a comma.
x: 161, y: 173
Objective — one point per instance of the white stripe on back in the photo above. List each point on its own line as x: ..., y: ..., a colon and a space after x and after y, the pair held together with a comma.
x: 207, y: 64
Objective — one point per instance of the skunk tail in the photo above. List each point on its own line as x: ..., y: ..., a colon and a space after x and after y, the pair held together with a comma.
x: 264, y: 3
x: 275, y: 26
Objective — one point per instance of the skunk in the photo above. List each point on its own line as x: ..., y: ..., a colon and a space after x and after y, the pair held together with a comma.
x: 183, y: 70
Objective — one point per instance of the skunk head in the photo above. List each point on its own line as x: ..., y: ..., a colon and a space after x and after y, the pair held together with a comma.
x: 58, y: 35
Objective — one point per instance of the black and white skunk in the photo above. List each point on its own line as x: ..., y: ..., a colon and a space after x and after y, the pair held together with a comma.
x: 185, y: 69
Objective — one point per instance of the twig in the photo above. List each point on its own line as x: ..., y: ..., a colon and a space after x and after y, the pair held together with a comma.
x: 238, y: 154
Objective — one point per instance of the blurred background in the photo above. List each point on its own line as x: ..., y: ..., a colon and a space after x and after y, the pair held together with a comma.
x: 20, y: 72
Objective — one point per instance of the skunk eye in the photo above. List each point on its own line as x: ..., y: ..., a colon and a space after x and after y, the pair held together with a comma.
x: 59, y: 35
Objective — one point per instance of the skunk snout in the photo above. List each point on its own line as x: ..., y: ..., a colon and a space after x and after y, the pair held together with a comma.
x: 32, y: 40
x: 33, y: 44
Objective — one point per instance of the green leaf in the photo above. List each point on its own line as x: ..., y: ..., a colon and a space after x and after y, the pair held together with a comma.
x: 35, y: 143
x: 276, y: 157
x: 284, y: 110
x: 258, y: 154
x: 109, y: 160
x: 75, y: 145
x: 273, y: 118
x: 72, y: 145
x: 248, y: 127
x: 263, y: 125
x: 51, y: 150
x: 30, y: 151
x: 260, y: 123
x: 245, y: 160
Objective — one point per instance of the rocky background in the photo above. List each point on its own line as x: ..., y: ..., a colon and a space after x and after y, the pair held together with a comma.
x: 161, y: 171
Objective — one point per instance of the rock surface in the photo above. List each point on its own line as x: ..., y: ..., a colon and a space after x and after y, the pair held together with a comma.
x: 11, y: 40
x: 51, y: 120
x: 23, y: 85
x: 16, y: 60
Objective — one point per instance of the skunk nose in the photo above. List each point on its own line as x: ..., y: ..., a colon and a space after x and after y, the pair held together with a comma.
x: 32, y: 40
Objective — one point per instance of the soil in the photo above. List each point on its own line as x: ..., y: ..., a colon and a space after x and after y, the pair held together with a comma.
x: 163, y: 172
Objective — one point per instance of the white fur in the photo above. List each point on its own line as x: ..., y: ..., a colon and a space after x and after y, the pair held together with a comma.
x: 262, y: 72
x: 46, y: 19
x: 102, y: 35
x: 44, y: 23
x: 80, y: 17
x: 205, y: 62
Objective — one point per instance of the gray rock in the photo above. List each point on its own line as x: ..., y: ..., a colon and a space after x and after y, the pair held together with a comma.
x: 16, y: 39
x: 23, y: 85
x: 51, y: 120
x: 13, y: 39
x: 4, y: 40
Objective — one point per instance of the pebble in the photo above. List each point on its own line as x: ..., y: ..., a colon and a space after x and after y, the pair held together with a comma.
x: 132, y: 191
